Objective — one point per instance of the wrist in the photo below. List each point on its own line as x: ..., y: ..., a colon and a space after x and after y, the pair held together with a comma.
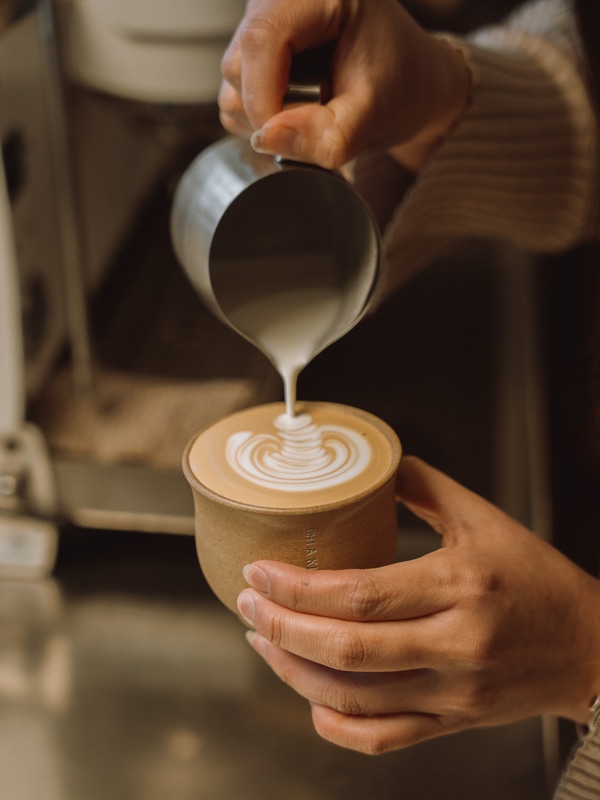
x: 449, y: 82
x: 592, y: 720
x: 580, y: 682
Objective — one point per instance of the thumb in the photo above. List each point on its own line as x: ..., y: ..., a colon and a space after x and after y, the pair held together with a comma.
x: 314, y: 134
x: 449, y: 508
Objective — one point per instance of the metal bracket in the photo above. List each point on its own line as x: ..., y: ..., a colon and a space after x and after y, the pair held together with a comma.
x: 28, y: 505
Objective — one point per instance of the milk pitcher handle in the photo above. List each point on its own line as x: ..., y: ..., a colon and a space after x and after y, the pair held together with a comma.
x: 309, y: 80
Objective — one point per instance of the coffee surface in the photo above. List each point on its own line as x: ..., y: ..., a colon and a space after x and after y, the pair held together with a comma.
x: 324, y: 454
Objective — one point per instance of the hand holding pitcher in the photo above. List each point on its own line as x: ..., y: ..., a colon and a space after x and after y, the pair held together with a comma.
x: 413, y: 91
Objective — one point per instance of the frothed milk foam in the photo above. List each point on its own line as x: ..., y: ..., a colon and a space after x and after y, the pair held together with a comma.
x: 291, y: 308
x: 324, y: 454
x: 292, y: 328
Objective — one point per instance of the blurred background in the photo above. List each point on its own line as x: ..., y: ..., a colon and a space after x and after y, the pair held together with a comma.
x: 120, y: 675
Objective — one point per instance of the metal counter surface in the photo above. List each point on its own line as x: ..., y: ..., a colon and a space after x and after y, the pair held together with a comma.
x: 122, y: 678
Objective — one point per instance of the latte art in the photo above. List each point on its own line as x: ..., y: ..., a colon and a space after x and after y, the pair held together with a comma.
x: 267, y: 458
x: 301, y: 457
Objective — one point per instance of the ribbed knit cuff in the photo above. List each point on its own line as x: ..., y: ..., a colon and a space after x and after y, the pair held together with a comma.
x: 581, y: 777
x: 520, y: 165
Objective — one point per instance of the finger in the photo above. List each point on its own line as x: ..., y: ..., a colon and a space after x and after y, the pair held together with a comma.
x: 355, y: 693
x: 347, y: 646
x: 376, y: 735
x: 265, y: 74
x: 310, y: 133
x: 268, y: 38
x: 448, y: 507
x: 235, y: 126
x: 405, y: 590
x: 232, y: 114
x: 231, y: 65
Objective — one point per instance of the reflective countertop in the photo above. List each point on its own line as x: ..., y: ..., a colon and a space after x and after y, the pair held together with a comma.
x: 122, y: 678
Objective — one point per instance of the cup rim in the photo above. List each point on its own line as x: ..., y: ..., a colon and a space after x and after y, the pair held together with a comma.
x: 387, y: 430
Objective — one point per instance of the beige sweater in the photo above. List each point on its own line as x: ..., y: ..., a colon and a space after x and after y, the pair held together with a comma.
x: 521, y: 165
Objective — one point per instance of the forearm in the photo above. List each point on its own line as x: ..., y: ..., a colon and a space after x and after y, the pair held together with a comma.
x: 450, y: 90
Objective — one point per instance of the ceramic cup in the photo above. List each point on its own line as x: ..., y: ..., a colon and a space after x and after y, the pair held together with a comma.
x: 315, y: 490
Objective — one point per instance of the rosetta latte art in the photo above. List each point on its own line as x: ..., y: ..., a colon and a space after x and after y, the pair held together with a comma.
x: 301, y: 457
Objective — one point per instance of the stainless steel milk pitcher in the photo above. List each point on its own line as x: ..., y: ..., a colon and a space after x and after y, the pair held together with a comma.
x: 248, y: 227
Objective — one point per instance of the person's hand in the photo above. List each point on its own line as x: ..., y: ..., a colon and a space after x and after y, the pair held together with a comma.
x: 392, y: 83
x: 494, y: 627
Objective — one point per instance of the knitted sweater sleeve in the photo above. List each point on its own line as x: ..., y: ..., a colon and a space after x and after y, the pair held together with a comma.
x: 581, y: 777
x: 520, y: 165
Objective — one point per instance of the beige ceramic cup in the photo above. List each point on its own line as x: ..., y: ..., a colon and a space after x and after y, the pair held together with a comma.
x: 315, y: 490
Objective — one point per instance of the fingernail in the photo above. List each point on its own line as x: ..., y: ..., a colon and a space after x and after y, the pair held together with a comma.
x: 257, y: 578
x: 245, y: 604
x: 255, y: 641
x: 257, y: 141
x: 284, y: 141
